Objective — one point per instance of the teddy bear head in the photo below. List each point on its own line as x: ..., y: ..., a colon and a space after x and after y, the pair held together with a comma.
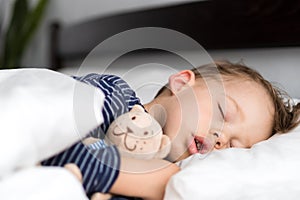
x: 137, y: 134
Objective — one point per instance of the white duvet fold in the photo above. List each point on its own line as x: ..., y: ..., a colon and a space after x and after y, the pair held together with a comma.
x: 41, y: 183
x: 42, y: 112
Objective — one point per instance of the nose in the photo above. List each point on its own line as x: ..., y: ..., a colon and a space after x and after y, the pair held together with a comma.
x: 222, y: 140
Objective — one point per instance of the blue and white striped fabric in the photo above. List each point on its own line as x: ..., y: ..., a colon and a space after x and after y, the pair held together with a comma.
x: 99, y: 167
x: 119, y: 98
x: 100, y: 163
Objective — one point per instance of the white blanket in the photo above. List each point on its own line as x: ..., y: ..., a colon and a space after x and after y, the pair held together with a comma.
x: 42, y: 113
x: 41, y: 183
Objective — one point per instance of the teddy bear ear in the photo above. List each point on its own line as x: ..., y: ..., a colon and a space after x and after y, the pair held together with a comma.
x: 137, y: 108
x: 165, y: 147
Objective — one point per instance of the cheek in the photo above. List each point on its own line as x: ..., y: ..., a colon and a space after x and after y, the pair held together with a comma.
x: 173, y: 123
x: 205, y: 121
x: 205, y: 114
x: 190, y: 112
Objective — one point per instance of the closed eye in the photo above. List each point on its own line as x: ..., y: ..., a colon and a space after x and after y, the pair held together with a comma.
x: 221, y: 111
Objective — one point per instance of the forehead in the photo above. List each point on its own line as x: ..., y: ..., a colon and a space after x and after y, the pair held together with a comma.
x: 253, y: 100
x: 245, y: 88
x: 248, y: 92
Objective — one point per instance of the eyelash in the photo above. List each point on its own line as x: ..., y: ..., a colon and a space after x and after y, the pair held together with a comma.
x: 221, y: 111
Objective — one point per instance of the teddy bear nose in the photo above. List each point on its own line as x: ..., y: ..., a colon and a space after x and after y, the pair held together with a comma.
x: 146, y: 133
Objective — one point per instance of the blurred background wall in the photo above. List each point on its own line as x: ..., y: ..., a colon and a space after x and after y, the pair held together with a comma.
x: 277, y: 64
x: 72, y: 11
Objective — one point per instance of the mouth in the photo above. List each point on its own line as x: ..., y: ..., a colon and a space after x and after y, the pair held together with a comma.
x: 200, y: 145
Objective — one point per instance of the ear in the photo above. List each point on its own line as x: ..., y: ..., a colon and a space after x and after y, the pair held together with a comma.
x: 137, y: 108
x: 165, y: 147
x: 180, y: 80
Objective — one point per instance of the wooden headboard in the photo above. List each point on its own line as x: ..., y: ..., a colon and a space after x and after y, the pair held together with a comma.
x: 215, y: 24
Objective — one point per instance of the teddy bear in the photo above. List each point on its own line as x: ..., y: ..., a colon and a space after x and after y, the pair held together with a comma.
x: 138, y: 135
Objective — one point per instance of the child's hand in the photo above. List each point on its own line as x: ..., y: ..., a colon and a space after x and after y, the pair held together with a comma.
x: 90, y: 140
x: 77, y: 173
x: 74, y: 170
x: 101, y: 196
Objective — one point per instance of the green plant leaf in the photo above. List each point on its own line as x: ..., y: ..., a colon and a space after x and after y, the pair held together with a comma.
x: 32, y: 21
x: 12, y: 37
x: 23, y: 24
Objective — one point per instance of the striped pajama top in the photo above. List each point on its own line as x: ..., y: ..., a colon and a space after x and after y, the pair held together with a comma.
x: 99, y: 163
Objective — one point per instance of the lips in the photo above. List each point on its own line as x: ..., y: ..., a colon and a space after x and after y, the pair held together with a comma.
x: 200, y: 145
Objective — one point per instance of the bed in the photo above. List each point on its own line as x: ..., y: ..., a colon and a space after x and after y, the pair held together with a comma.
x: 35, y: 102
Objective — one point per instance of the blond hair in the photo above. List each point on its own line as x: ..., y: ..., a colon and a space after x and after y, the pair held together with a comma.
x: 287, y: 112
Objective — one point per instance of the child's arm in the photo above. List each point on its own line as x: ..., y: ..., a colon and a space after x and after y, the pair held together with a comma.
x: 143, y: 178
x: 137, y: 178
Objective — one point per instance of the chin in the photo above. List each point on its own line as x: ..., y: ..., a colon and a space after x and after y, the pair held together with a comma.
x: 176, y: 156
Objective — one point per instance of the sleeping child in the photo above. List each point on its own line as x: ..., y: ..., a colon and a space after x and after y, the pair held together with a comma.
x: 195, y: 105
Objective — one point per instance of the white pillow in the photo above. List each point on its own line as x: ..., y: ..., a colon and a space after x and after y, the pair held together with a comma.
x: 269, y: 170
x: 41, y: 113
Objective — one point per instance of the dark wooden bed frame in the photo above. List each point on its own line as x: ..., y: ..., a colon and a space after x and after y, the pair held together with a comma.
x: 215, y: 24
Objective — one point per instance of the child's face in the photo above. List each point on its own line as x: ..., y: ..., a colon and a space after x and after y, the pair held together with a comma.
x: 239, y: 116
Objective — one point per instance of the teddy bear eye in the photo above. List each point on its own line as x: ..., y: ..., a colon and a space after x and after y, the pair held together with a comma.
x: 133, y: 118
x: 146, y: 133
